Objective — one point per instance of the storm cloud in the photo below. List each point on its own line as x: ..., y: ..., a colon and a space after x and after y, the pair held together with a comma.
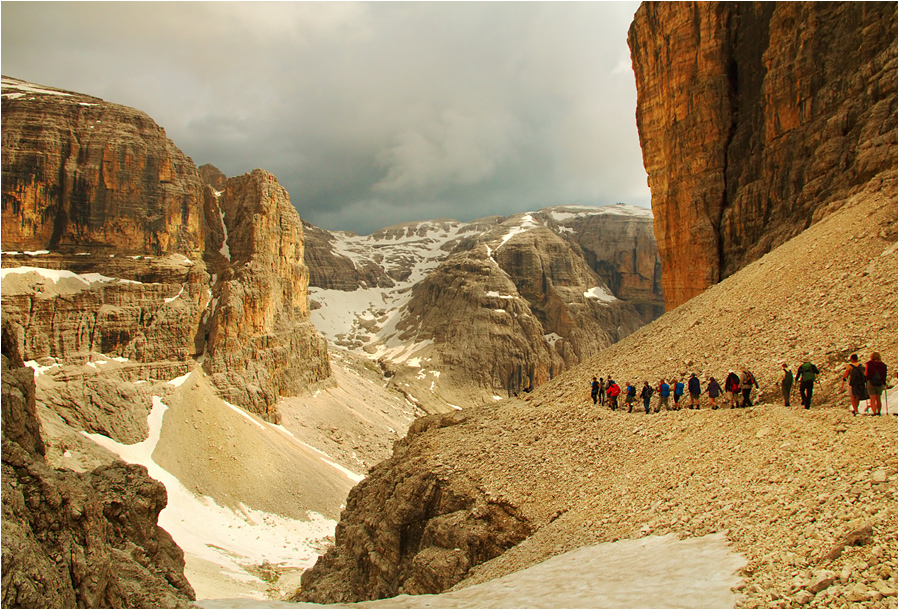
x: 368, y: 113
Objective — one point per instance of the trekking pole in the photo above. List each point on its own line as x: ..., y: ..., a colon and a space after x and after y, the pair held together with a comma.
x: 886, y: 401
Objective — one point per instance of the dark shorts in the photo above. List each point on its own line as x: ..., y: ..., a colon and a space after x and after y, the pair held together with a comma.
x: 695, y: 396
x: 874, y: 390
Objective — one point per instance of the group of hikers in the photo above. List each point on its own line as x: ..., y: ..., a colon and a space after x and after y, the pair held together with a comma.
x: 865, y: 382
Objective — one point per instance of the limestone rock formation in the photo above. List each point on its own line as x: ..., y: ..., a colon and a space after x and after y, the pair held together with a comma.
x: 333, y: 271
x: 490, y: 307
x: 430, y: 530
x: 756, y: 120
x: 78, y: 539
x: 261, y: 344
x: 82, y: 173
x: 115, y: 248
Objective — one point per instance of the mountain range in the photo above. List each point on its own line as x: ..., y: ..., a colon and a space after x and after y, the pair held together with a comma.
x: 197, y: 384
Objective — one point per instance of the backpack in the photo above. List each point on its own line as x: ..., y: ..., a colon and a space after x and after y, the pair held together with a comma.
x: 788, y: 377
x: 750, y: 379
x: 665, y: 390
x: 857, y: 377
x: 808, y: 371
x: 876, y: 380
x: 614, y: 390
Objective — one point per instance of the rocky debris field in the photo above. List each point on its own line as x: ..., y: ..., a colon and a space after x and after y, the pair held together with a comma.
x: 808, y: 497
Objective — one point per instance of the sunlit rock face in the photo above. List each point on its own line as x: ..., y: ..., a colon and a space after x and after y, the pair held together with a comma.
x: 79, y: 172
x: 754, y: 118
x: 116, y: 246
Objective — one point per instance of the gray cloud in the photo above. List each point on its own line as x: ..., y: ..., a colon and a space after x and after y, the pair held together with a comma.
x: 368, y: 113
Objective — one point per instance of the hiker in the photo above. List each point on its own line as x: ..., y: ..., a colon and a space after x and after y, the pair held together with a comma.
x: 613, y: 393
x: 747, y: 380
x: 876, y: 372
x: 858, y: 383
x: 714, y: 391
x: 646, y: 395
x: 785, y: 381
x: 594, y: 390
x: 629, y: 395
x: 806, y: 374
x: 695, y: 390
x: 664, y: 391
x: 732, y: 385
x: 678, y: 392
x: 602, y: 391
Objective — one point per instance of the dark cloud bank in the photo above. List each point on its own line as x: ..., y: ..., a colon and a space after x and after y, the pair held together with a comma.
x: 372, y: 113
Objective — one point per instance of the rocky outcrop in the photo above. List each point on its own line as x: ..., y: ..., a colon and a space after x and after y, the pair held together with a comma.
x: 115, y: 248
x: 260, y: 342
x: 621, y: 249
x: 756, y: 120
x: 78, y: 539
x: 490, y: 307
x: 509, y: 310
x: 430, y: 529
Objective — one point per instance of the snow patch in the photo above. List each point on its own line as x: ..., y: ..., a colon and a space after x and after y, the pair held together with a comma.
x: 600, y: 293
x: 170, y: 299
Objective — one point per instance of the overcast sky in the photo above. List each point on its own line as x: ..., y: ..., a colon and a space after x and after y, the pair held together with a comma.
x: 369, y: 114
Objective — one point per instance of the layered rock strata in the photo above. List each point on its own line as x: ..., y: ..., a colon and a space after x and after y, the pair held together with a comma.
x: 755, y: 120
x: 115, y: 248
x: 78, y: 539
x: 260, y: 342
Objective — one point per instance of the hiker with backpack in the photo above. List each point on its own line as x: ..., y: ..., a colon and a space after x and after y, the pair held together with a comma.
x: 695, y: 390
x: 664, y: 391
x: 594, y: 390
x: 630, y: 394
x: 613, y: 393
x: 646, y: 395
x: 786, y: 383
x: 678, y: 386
x: 747, y: 380
x: 732, y: 385
x: 806, y: 374
x: 602, y: 391
x: 858, y: 383
x: 714, y: 391
x: 876, y: 373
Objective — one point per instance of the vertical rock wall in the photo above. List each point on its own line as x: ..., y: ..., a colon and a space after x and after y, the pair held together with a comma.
x: 261, y: 344
x: 753, y: 117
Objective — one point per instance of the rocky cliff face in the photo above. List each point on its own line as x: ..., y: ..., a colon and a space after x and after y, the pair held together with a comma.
x: 81, y: 173
x: 261, y: 344
x: 431, y: 530
x: 756, y: 119
x: 78, y: 539
x: 491, y: 307
x: 115, y: 248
